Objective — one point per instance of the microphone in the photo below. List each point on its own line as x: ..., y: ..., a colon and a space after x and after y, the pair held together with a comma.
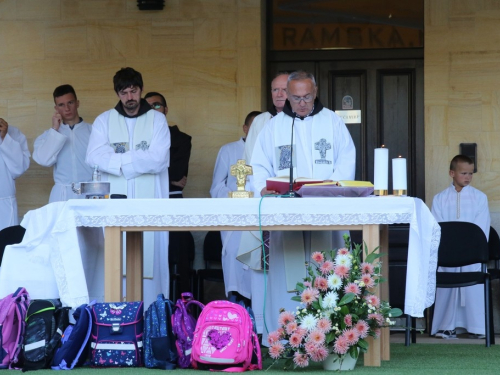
x: 291, y: 193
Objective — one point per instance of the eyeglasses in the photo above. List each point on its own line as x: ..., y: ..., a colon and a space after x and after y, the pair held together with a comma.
x: 156, y: 105
x: 298, y: 99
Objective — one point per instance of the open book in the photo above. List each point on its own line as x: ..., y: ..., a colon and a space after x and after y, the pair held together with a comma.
x: 344, y: 183
x: 282, y: 184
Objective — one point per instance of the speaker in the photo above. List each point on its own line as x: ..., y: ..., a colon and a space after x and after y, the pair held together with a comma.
x: 150, y: 4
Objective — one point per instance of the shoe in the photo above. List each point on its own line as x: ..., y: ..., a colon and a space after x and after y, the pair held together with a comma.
x: 477, y: 336
x: 439, y: 334
x: 449, y: 334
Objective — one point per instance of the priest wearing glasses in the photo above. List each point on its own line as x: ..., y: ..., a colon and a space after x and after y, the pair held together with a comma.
x: 322, y: 149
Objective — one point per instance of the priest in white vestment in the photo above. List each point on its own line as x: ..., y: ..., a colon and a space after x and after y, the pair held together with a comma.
x: 131, y: 144
x: 322, y: 149
x: 237, y: 276
x: 14, y: 161
x: 459, y: 309
x: 64, y: 145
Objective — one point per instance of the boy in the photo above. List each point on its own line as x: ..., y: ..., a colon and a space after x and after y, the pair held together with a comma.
x: 461, y: 307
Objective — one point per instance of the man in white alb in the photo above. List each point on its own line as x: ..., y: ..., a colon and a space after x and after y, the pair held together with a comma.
x: 236, y: 274
x: 64, y: 145
x: 322, y: 149
x: 14, y: 161
x: 130, y: 143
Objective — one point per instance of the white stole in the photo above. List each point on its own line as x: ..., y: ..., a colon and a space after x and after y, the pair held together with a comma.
x: 144, y: 184
x: 322, y: 158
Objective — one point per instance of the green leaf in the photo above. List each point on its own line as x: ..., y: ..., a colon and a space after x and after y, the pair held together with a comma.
x: 363, y: 344
x: 346, y: 299
x: 395, y: 312
x: 372, y: 256
x: 353, y: 351
x: 296, y: 298
x: 300, y: 287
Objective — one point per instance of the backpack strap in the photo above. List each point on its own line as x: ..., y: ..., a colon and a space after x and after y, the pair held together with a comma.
x: 87, y: 335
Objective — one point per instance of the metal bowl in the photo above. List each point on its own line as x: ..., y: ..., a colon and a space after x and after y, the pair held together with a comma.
x: 95, y: 188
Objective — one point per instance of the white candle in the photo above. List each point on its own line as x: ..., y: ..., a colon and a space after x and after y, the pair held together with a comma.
x: 381, y: 170
x: 399, y: 173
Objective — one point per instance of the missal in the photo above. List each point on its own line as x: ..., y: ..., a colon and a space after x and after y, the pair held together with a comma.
x: 282, y: 184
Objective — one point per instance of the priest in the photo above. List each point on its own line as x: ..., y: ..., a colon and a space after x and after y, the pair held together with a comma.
x: 130, y: 143
x: 322, y: 149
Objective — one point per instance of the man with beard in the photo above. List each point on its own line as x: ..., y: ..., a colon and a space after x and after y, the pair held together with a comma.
x: 322, y: 149
x: 64, y: 145
x: 131, y: 145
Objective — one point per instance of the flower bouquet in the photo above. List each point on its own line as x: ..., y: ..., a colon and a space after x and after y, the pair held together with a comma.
x: 337, y: 310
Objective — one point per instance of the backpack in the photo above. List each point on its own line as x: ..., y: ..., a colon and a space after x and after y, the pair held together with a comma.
x: 159, y: 340
x: 46, y: 321
x: 224, y: 339
x: 117, y: 330
x: 12, y: 325
x: 184, y: 324
x: 73, y: 349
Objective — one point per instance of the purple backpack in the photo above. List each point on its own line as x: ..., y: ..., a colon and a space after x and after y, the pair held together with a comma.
x: 12, y: 324
x: 183, y: 326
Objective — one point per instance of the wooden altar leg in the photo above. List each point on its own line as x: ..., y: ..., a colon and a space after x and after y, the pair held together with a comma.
x: 371, y: 236
x: 134, y: 266
x: 113, y: 270
x: 385, y: 344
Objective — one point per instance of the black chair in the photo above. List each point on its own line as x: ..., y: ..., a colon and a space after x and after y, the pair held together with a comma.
x: 212, y: 254
x: 463, y: 244
x: 10, y: 236
x: 181, y: 252
x: 494, y: 251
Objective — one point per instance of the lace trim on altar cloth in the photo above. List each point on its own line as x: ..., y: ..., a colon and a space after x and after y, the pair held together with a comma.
x: 241, y: 220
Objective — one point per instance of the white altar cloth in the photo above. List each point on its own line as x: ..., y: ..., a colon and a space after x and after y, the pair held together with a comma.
x: 53, y: 229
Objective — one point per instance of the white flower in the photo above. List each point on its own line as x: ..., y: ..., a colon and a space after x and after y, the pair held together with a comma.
x: 344, y: 260
x: 334, y: 282
x: 309, y: 322
x: 330, y: 300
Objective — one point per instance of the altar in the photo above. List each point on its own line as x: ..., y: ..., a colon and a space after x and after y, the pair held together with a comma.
x: 370, y: 215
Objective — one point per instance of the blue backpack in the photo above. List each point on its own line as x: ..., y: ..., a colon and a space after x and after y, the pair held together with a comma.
x: 74, y: 348
x: 159, y: 340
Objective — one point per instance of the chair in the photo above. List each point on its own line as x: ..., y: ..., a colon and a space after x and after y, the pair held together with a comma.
x: 10, y: 236
x: 181, y: 252
x: 462, y: 244
x: 212, y: 254
x: 494, y: 251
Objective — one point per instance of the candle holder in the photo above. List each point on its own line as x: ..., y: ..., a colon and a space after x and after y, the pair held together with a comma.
x: 399, y: 192
x: 381, y: 192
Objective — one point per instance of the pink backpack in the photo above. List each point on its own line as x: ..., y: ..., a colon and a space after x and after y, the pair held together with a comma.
x: 224, y: 339
x: 12, y: 324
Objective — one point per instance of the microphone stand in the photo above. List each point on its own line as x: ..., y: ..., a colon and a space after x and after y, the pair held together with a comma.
x: 291, y: 193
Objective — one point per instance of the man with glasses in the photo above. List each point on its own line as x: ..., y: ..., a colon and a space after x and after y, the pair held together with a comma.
x: 64, y: 145
x: 180, y: 148
x: 322, y: 149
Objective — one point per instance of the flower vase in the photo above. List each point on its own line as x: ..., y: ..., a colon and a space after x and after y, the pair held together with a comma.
x: 338, y: 362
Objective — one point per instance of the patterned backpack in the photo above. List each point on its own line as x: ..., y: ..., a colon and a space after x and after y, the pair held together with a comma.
x: 159, y: 339
x: 183, y: 325
x: 12, y: 325
x: 224, y: 339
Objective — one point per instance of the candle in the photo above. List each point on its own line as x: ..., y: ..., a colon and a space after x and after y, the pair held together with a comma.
x: 399, y: 175
x: 381, y: 171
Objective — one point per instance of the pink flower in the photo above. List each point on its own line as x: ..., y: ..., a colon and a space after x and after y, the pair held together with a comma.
x: 376, y: 331
x: 377, y: 317
x: 326, y: 267
x: 295, y: 340
x: 321, y: 283
x: 363, y: 328
x: 348, y: 320
x: 276, y: 349
x: 300, y: 359
x: 351, y: 335
x: 318, y: 257
x: 352, y: 288
x: 342, y: 251
x: 341, y: 346
x: 316, y: 336
x: 307, y: 284
x: 273, y: 337
x: 342, y: 271
x: 367, y: 268
x: 310, y: 347
x: 285, y: 318
x: 291, y: 327
x: 319, y: 354
x: 367, y: 280
x: 309, y: 296
x: 373, y: 300
x: 324, y: 325
x: 302, y: 332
